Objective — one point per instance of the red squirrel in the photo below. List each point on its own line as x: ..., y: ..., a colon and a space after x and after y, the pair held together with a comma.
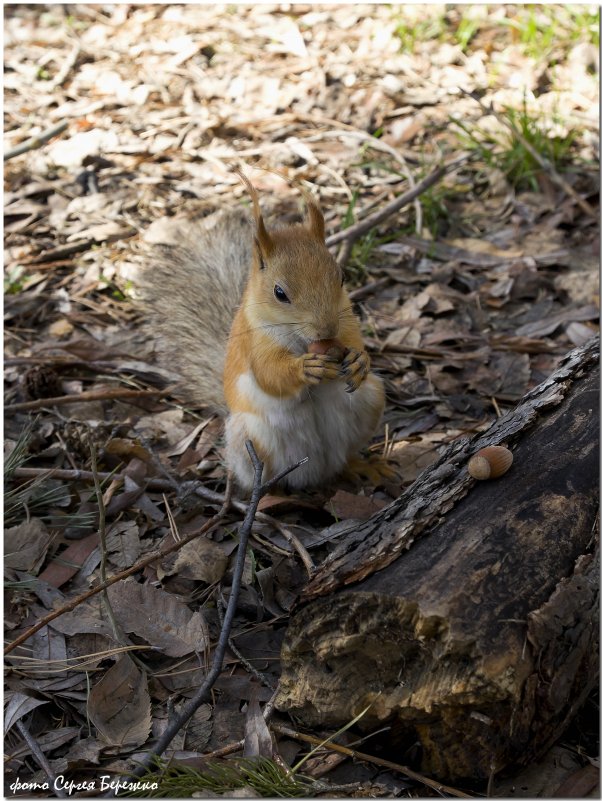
x: 243, y: 310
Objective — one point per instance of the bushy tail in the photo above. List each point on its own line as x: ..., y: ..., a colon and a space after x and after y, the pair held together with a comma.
x: 191, y: 285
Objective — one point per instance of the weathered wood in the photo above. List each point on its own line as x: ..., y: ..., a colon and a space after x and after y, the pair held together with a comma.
x: 467, y: 612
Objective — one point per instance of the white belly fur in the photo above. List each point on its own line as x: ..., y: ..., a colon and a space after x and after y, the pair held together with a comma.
x: 326, y: 423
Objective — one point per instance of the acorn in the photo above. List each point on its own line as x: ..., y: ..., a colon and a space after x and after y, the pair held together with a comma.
x: 328, y: 347
x: 491, y: 462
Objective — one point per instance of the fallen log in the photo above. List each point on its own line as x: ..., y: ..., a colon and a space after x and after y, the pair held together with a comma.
x: 466, y: 613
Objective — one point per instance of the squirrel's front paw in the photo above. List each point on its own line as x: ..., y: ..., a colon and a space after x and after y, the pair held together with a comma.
x: 354, y: 368
x: 317, y: 367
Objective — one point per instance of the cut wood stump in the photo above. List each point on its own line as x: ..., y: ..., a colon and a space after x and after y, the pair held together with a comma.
x: 466, y: 613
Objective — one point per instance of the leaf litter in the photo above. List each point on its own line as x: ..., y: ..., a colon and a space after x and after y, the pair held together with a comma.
x: 469, y: 297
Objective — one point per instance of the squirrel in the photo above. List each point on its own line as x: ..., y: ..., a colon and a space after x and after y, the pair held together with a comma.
x: 239, y: 309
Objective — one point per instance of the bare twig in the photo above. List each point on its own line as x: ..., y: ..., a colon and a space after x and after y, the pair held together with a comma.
x: 64, y: 251
x: 35, y: 141
x: 91, y: 395
x: 142, y: 563
x: 85, y: 475
x: 541, y: 160
x: 344, y: 252
x: 278, y: 477
x: 362, y: 227
x: 225, y: 750
x: 64, y: 71
x: 262, y: 677
x: 40, y: 758
x: 341, y: 749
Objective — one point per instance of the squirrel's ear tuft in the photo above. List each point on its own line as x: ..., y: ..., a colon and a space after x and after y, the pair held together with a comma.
x: 314, y: 218
x: 316, y: 221
x: 262, y: 238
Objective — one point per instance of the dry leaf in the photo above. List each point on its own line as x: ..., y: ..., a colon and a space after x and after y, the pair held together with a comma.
x: 258, y: 740
x: 546, y: 326
x: 284, y: 503
x: 48, y: 645
x: 18, y: 706
x: 579, y: 333
x: 580, y: 784
x: 347, y: 506
x: 411, y: 458
x: 199, y: 560
x: 119, y: 705
x: 127, y: 449
x: 123, y: 543
x: 82, y: 620
x: 84, y: 752
x: 60, y: 329
x: 68, y: 563
x: 159, y: 618
x: 199, y: 728
x: 179, y: 448
x: 47, y: 742
x: 25, y: 545
x: 168, y: 424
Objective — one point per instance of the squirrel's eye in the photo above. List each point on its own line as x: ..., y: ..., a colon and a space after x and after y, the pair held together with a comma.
x: 280, y: 294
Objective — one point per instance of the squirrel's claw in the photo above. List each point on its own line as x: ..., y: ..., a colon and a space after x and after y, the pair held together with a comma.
x: 355, y: 368
x: 319, y: 367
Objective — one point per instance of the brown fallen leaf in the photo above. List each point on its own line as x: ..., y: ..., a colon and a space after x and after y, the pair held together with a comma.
x: 84, y: 619
x: 549, y: 323
x: 579, y: 333
x: 411, y: 458
x: 580, y: 784
x: 347, y: 506
x: 199, y: 728
x: 200, y: 560
x: 48, y: 645
x: 284, y: 503
x: 507, y: 374
x: 477, y: 252
x: 258, y: 740
x: 84, y: 752
x: 25, y: 545
x: 127, y: 449
x: 159, y: 618
x: 47, y: 742
x: 123, y: 543
x: 67, y: 563
x: 180, y: 447
x: 119, y: 705
x: 61, y: 328
x: 18, y: 706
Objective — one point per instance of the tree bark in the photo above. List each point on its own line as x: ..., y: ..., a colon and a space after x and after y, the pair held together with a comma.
x: 466, y: 613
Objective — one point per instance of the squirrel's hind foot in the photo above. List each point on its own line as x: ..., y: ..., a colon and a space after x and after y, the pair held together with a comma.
x: 373, y: 469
